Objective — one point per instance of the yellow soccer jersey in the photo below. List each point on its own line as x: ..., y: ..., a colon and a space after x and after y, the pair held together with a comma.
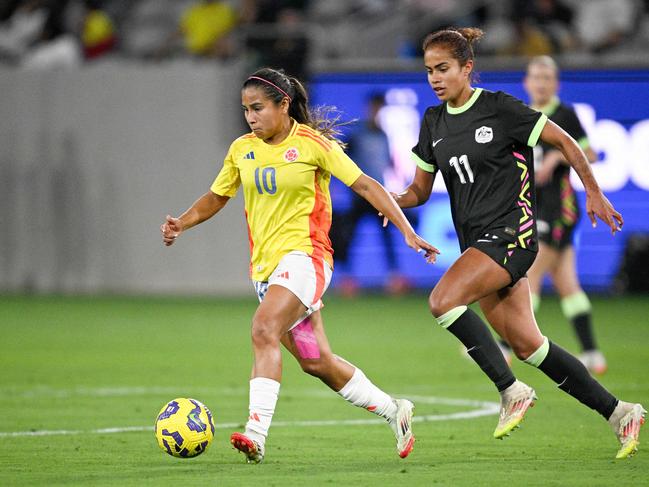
x: 286, y: 193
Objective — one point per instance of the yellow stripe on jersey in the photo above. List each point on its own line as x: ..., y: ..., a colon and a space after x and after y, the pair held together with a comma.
x: 286, y: 193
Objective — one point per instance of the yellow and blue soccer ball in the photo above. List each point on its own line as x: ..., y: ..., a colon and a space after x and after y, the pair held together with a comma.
x: 184, y: 428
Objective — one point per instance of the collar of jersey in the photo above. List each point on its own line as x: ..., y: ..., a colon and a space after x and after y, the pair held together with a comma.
x: 286, y: 140
x: 550, y: 107
x: 467, y: 105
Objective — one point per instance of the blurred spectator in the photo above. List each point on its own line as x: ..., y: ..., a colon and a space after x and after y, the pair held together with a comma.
x: 55, y: 47
x: 551, y: 18
x: 604, y: 24
x: 426, y: 16
x: 98, y: 32
x: 278, y: 35
x: 22, y: 27
x: 205, y: 28
x: 368, y: 147
x: 150, y: 27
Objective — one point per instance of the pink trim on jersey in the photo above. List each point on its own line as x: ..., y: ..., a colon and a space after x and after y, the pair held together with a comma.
x: 527, y: 225
x: 519, y: 155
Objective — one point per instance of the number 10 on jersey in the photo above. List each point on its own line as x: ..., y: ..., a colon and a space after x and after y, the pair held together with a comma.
x: 265, y: 180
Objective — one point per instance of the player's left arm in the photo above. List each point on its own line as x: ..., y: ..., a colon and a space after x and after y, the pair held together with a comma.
x: 375, y: 194
x: 596, y: 203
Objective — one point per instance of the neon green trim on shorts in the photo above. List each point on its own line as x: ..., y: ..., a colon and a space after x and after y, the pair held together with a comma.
x: 431, y: 168
x: 448, y: 318
x: 538, y: 357
x: 536, y: 131
x: 575, y: 305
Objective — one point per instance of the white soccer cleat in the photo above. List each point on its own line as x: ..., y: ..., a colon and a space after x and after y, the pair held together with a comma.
x: 626, y: 421
x: 253, y: 450
x: 594, y: 361
x: 402, y: 427
x: 514, y: 403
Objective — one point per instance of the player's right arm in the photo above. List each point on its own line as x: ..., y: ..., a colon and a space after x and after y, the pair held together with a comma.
x: 422, y: 154
x: 223, y: 188
x: 418, y: 192
x: 203, y: 209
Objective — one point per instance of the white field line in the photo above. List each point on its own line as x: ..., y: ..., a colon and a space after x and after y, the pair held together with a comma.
x: 480, y: 408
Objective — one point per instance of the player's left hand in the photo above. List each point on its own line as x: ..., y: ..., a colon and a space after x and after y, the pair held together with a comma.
x: 598, y: 205
x: 414, y: 241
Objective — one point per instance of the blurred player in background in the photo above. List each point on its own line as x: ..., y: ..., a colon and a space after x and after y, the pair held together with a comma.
x: 368, y: 147
x: 482, y: 143
x: 558, y: 212
x: 285, y: 165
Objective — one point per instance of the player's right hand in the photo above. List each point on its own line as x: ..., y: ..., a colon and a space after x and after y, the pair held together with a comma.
x: 430, y: 252
x: 170, y: 229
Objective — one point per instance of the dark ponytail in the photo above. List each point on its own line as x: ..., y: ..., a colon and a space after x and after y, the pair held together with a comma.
x: 277, y: 86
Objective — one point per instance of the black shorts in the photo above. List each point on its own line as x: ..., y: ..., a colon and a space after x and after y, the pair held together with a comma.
x: 558, y: 234
x: 512, y: 258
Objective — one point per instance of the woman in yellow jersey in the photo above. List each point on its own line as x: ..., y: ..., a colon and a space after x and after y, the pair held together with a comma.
x: 284, y: 166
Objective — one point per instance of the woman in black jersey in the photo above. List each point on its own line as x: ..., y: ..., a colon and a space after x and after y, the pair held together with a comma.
x: 559, y: 211
x: 482, y: 143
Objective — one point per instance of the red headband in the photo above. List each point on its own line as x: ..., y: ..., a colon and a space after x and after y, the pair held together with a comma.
x: 273, y: 85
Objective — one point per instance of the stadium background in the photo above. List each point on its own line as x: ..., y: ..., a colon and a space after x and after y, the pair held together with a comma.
x: 101, y: 137
x: 94, y: 155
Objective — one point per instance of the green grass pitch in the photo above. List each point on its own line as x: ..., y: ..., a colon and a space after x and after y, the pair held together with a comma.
x: 82, y: 365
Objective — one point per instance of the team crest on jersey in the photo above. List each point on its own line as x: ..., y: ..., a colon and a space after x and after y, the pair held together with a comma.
x: 484, y: 134
x: 291, y: 154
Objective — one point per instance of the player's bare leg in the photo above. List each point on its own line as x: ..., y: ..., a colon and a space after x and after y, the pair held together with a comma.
x: 472, y: 277
x: 274, y: 316
x: 545, y: 261
x: 510, y: 313
x: 308, y: 343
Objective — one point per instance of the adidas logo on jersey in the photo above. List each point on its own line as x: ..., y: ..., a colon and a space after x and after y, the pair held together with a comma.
x: 249, y: 155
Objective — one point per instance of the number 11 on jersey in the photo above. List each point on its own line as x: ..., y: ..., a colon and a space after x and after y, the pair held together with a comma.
x: 458, y: 163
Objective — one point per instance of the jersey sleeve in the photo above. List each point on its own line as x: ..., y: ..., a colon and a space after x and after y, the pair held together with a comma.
x: 572, y: 125
x: 228, y: 180
x: 340, y: 165
x: 523, y: 124
x: 422, y: 154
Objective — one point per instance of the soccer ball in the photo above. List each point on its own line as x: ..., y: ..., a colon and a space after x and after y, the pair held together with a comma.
x: 184, y: 428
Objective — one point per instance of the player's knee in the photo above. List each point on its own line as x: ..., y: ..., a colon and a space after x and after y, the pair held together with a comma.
x: 523, y: 349
x: 439, y: 303
x: 264, y: 333
x: 316, y: 368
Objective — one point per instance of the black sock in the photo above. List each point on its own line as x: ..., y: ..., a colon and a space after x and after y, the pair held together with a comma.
x: 583, y: 327
x: 573, y: 378
x: 482, y: 348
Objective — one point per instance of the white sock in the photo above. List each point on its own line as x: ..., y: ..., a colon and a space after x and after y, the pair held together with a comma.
x: 263, y: 397
x: 362, y: 393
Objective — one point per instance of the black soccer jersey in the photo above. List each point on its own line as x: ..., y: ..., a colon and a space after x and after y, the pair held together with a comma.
x: 484, y: 152
x: 557, y: 199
